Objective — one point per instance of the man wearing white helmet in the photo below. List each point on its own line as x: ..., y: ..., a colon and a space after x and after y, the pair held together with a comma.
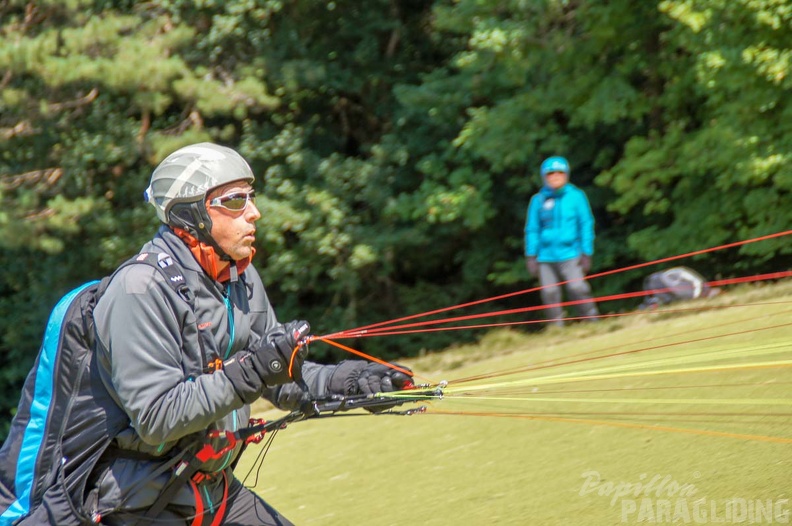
x: 179, y: 367
x: 559, y: 241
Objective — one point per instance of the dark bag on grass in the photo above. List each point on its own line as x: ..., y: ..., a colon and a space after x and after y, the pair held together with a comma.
x: 675, y: 284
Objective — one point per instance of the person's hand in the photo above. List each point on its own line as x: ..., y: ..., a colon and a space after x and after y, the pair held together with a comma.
x: 267, y: 363
x: 287, y: 343
x: 354, y: 377
x: 532, y: 265
x: 585, y: 263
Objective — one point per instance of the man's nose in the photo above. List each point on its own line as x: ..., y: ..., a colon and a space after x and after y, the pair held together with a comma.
x: 252, y: 212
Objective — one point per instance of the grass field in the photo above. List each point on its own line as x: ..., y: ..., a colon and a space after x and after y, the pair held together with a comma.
x: 689, y: 421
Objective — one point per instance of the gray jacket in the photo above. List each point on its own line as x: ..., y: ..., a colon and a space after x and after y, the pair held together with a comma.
x: 152, y: 349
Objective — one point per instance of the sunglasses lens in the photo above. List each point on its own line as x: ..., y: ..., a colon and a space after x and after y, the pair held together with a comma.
x: 236, y: 203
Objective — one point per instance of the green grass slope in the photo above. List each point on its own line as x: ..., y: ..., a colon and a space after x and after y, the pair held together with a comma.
x: 662, y: 417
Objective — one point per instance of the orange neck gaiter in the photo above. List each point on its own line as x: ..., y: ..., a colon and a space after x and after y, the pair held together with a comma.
x: 206, y: 256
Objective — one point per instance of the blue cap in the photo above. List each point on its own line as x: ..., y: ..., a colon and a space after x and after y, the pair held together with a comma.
x: 554, y: 164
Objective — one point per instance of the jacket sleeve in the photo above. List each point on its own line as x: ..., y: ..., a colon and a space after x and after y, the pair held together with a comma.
x: 288, y: 396
x: 585, y: 224
x: 140, y: 324
x: 532, y: 227
x: 265, y: 325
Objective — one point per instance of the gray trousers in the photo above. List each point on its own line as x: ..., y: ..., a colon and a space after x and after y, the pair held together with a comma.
x: 243, y: 508
x: 550, y: 274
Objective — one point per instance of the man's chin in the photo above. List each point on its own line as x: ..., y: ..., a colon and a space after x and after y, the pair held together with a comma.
x: 242, y: 253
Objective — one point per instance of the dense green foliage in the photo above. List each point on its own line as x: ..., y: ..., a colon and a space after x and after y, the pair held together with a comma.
x: 397, y: 142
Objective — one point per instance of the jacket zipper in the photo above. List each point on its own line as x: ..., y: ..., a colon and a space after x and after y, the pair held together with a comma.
x: 231, y: 334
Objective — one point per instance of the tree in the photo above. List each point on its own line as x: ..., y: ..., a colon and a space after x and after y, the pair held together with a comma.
x: 717, y: 169
x: 396, y: 143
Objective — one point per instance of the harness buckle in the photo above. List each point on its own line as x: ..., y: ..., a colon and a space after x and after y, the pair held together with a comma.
x: 201, y: 477
x: 214, y: 365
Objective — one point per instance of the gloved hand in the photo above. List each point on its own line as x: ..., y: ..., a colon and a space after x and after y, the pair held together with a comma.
x: 585, y: 263
x: 532, y: 265
x: 266, y: 364
x: 286, y: 344
x: 353, y: 377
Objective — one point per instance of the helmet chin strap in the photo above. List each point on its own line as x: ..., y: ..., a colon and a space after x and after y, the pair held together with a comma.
x: 197, y: 223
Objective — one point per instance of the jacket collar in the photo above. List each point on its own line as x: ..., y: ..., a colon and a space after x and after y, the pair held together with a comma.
x: 549, y: 192
x: 194, y: 255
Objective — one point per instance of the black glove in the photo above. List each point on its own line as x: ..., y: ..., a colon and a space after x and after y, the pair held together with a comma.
x: 585, y: 263
x: 532, y: 265
x: 267, y: 363
x: 286, y: 344
x: 353, y: 377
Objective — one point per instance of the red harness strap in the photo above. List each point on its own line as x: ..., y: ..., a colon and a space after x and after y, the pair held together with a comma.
x: 199, y: 506
x: 221, y: 511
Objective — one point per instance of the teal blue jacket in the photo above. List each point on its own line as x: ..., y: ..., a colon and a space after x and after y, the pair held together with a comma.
x: 559, y: 225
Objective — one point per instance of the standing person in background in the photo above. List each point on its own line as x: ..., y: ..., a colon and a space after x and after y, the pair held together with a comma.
x: 559, y: 240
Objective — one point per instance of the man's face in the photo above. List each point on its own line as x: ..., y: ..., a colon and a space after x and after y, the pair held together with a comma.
x: 233, y: 230
x: 555, y: 180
